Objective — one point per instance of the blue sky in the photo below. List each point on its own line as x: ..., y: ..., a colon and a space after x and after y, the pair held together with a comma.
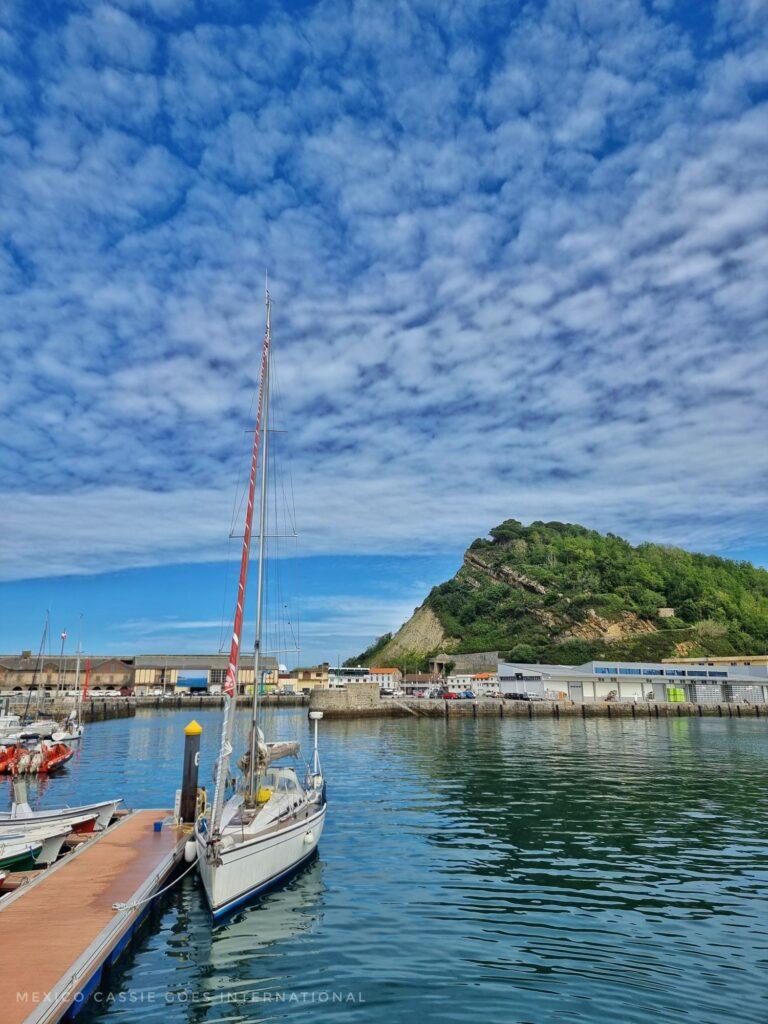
x: 518, y: 255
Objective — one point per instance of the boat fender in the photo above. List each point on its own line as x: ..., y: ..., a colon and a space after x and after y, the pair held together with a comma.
x: 309, y: 838
x: 190, y: 851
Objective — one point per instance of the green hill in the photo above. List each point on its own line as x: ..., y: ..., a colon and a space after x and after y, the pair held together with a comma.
x: 555, y: 592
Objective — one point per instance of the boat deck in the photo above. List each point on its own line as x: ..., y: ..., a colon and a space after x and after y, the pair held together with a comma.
x: 62, y: 928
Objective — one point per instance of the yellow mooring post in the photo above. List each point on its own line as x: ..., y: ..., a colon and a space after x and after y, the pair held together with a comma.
x: 192, y: 735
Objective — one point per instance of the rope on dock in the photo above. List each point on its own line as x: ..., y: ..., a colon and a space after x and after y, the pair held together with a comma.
x: 138, y: 903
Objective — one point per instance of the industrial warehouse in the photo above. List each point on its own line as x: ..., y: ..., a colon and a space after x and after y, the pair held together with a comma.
x: 700, y: 682
x: 140, y: 674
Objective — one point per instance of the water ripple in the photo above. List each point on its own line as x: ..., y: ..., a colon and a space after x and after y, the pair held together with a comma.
x: 574, y: 871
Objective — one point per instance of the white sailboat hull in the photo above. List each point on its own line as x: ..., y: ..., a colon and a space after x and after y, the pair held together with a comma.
x: 259, y: 864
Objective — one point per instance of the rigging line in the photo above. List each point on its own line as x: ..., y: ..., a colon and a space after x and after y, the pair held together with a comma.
x: 276, y: 593
x: 239, y: 495
x: 227, y: 572
x: 295, y: 633
x: 237, y: 505
x: 281, y: 598
x: 278, y: 488
x: 288, y: 461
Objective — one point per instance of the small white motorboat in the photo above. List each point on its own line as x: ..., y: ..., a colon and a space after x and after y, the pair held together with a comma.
x: 80, y: 819
x: 50, y: 838
x: 19, y: 855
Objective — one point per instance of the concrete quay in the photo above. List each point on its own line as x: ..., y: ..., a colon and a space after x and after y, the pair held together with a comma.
x: 176, y: 702
x: 363, y: 701
x: 93, y: 709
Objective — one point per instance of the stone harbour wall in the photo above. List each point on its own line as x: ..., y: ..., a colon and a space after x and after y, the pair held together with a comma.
x: 356, y: 700
x: 350, y: 704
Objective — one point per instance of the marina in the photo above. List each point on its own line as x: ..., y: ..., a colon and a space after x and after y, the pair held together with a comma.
x: 538, y: 858
x: 383, y: 512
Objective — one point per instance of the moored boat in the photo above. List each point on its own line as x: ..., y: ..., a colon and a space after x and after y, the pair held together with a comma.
x: 51, y: 837
x: 272, y: 824
x: 81, y: 819
x: 19, y: 856
x: 42, y: 759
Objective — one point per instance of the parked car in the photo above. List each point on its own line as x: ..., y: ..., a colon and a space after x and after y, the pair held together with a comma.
x: 450, y: 695
x: 516, y: 696
x: 468, y: 695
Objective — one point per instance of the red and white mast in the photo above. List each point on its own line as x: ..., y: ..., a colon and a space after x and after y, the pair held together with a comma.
x: 230, y: 684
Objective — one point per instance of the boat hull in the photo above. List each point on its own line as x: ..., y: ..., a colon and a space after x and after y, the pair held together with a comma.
x: 249, y: 869
x: 81, y: 819
x: 19, y: 858
x: 51, y: 848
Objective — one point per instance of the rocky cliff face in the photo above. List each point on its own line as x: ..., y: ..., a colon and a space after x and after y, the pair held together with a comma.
x: 420, y: 636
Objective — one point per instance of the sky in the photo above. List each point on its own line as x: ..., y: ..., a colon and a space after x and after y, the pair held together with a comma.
x: 518, y: 256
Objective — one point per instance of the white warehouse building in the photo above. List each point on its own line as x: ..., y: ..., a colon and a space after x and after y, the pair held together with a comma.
x: 639, y: 681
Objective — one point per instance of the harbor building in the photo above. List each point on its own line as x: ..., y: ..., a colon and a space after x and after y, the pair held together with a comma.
x: 462, y: 664
x: 639, y: 681
x: 142, y: 674
x: 307, y: 679
x: 343, y: 675
x: 418, y: 682
x: 389, y: 678
x: 728, y: 659
x: 156, y: 674
x: 480, y: 683
x: 25, y: 672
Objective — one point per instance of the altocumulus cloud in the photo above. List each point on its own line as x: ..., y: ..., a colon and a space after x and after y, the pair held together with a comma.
x: 518, y: 254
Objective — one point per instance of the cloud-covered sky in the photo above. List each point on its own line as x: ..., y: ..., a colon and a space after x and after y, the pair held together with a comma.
x: 518, y: 254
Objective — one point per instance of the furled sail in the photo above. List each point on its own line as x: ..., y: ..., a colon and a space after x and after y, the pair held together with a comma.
x: 267, y: 754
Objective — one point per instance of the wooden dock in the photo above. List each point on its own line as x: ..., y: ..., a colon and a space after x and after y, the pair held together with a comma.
x: 62, y: 929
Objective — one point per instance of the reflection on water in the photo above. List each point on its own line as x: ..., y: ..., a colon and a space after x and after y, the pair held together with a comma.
x: 588, y: 871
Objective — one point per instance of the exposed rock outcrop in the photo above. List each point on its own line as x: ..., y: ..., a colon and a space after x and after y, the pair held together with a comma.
x: 503, y: 574
x: 596, y: 627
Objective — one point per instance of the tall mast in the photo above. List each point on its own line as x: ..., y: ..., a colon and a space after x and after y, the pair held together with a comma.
x: 230, y: 684
x: 38, y: 665
x: 78, y: 702
x: 260, y: 578
x: 61, y: 663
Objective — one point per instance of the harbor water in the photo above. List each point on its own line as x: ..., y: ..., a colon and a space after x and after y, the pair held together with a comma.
x: 497, y: 870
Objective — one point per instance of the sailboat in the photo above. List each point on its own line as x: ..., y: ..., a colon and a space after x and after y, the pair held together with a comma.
x: 71, y: 730
x: 272, y: 823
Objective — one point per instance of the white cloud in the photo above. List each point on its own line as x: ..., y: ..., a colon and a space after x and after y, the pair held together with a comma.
x: 519, y: 275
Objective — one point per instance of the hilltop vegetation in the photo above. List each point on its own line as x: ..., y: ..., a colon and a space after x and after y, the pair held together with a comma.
x: 560, y: 593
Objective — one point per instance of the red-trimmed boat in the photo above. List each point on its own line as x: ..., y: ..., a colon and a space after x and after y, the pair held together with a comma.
x: 40, y: 760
